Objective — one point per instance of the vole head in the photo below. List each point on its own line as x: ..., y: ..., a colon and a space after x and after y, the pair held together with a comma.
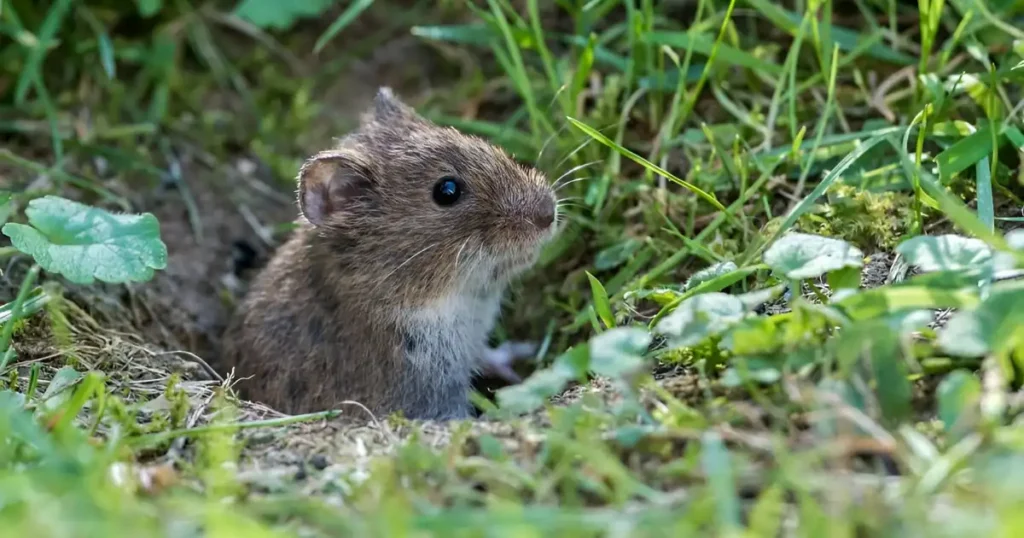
x: 425, y: 208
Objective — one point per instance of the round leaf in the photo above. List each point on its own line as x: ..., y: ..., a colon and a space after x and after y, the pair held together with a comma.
x: 702, y: 316
x: 945, y: 252
x: 709, y: 273
x: 993, y: 327
x: 800, y: 256
x: 1005, y: 261
x: 617, y: 254
x: 86, y: 243
x: 618, y: 351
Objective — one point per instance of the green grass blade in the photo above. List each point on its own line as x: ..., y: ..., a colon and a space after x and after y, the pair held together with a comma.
x: 965, y: 153
x: 32, y: 71
x: 719, y: 472
x: 844, y: 38
x: 704, y: 44
x: 351, y: 12
x: 709, y: 198
x: 986, y: 206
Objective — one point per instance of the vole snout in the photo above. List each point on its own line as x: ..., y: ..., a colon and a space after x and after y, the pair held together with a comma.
x: 542, y: 213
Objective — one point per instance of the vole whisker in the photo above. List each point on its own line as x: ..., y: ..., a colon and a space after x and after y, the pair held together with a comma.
x: 409, y: 259
x: 574, y: 152
x: 459, y: 253
x: 556, y: 186
x: 581, y: 146
x: 551, y: 138
x: 570, y: 182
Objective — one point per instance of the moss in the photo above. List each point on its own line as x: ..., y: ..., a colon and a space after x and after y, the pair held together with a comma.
x: 867, y: 219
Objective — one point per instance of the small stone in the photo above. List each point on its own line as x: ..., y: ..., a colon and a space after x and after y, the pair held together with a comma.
x: 319, y: 462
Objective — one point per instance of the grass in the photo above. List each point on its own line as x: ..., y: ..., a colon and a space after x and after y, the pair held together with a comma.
x: 704, y: 370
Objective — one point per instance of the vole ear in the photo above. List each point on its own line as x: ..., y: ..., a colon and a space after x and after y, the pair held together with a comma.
x: 329, y: 182
x: 389, y: 109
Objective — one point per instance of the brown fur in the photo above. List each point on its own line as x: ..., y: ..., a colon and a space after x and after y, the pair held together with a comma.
x: 350, y: 303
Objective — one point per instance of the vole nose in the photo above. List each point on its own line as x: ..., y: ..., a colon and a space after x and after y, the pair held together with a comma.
x: 544, y: 214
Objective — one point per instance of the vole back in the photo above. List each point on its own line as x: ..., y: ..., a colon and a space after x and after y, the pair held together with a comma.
x: 386, y: 292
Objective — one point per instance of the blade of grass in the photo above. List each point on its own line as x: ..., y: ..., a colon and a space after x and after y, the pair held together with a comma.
x: 16, y: 315
x: 704, y: 44
x: 32, y: 71
x: 350, y: 14
x: 647, y: 164
x: 151, y: 439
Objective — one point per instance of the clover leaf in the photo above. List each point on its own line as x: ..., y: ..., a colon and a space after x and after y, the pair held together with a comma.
x: 800, y: 256
x: 86, y: 243
x: 945, y: 252
x: 702, y: 316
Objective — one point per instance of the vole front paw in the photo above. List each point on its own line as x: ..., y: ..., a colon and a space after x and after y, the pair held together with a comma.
x: 498, y: 361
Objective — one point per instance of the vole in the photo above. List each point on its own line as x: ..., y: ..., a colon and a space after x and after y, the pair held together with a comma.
x: 407, y: 236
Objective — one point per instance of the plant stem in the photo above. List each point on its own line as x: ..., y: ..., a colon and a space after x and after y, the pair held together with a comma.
x: 5, y: 338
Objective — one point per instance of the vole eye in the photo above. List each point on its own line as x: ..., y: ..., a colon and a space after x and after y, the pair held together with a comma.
x: 447, y: 191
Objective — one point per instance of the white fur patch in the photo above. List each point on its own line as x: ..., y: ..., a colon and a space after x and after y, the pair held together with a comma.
x: 450, y: 335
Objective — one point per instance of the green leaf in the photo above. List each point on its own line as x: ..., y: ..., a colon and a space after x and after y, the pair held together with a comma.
x: 878, y: 344
x: 469, y: 34
x: 996, y: 326
x: 719, y: 473
x: 768, y: 512
x: 959, y: 395
x: 892, y: 386
x: 85, y: 243
x: 800, y: 256
x: 701, y: 317
x: 964, y: 153
x: 351, y: 12
x: 1007, y: 261
x: 945, y: 252
x: 750, y: 370
x: 62, y: 380
x: 709, y: 273
x: 601, y: 304
x: 6, y: 206
x: 756, y: 298
x: 148, y: 8
x: 619, y: 351
x: 845, y: 278
x: 876, y: 302
x: 536, y: 390
x: 617, y: 254
x: 753, y: 336
x: 714, y: 278
x: 278, y: 15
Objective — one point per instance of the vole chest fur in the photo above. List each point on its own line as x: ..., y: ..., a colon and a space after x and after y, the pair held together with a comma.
x: 443, y: 342
x: 451, y: 331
